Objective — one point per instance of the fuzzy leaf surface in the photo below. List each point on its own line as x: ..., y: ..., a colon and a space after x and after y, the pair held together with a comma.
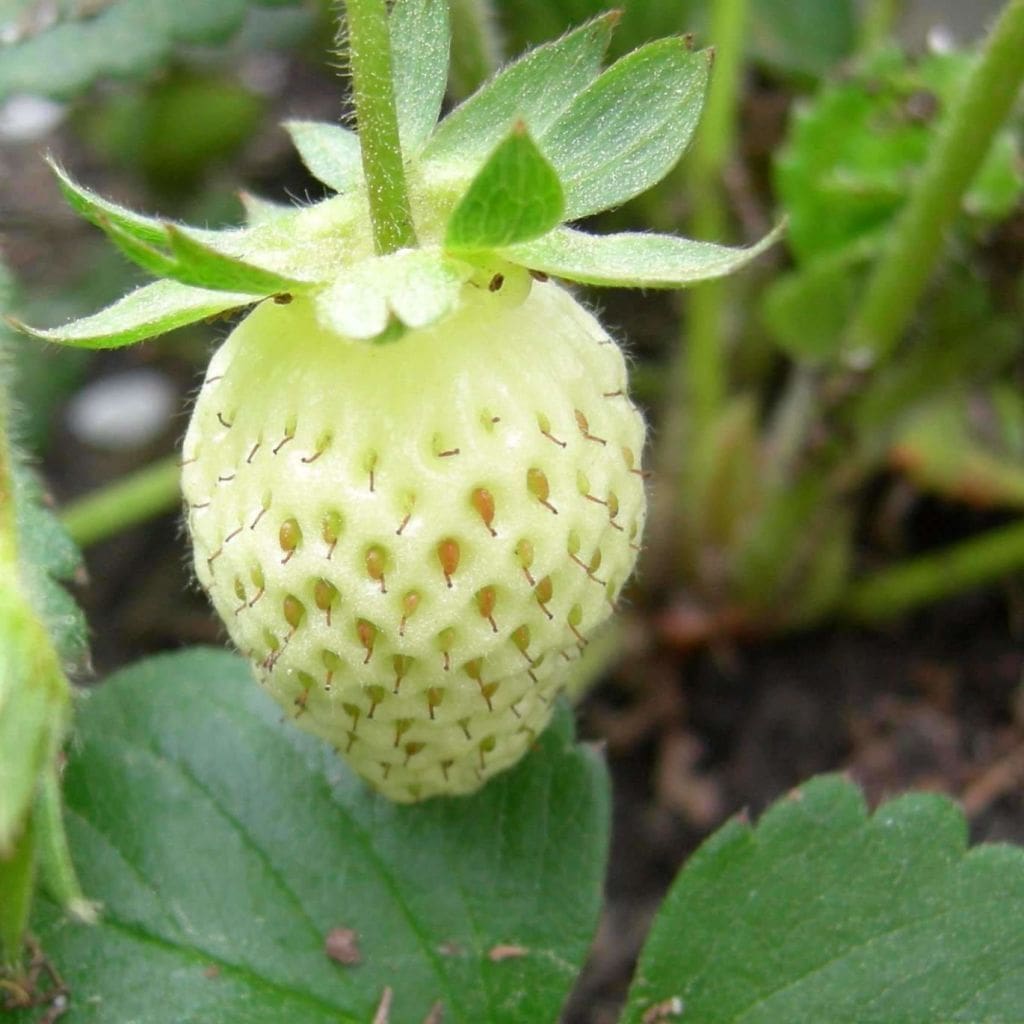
x: 632, y: 259
x: 536, y: 88
x: 330, y: 152
x: 124, y: 38
x: 516, y: 196
x: 627, y: 130
x: 297, y: 244
x: 420, y: 43
x: 226, y: 845
x: 824, y: 913
x: 104, y: 213
x: 197, y: 264
x: 144, y: 313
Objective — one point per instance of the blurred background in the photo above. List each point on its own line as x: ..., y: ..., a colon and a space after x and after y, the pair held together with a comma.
x: 834, y: 573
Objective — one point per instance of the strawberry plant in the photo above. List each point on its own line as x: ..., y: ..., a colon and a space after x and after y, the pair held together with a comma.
x: 415, y: 488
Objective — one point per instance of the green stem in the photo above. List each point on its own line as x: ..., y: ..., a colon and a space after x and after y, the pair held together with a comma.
x: 476, y: 45
x: 135, y: 499
x: 903, y: 272
x: 56, y: 868
x: 877, y: 24
x: 705, y: 351
x: 697, y: 383
x: 17, y: 882
x: 936, y: 575
x: 369, y: 44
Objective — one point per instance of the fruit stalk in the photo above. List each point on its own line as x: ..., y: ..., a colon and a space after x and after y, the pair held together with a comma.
x: 902, y: 274
x: 369, y: 51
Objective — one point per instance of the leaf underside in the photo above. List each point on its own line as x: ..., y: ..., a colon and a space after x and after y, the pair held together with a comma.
x: 150, y: 310
x: 330, y: 152
x: 420, y: 44
x: 633, y: 259
x: 823, y: 913
x: 226, y: 846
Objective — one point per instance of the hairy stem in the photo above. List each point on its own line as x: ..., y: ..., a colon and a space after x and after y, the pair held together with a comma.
x: 930, y: 577
x: 369, y: 44
x: 903, y: 272
x: 137, y: 498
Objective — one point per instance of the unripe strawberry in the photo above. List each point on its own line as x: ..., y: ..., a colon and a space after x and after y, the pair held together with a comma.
x: 412, y: 473
x: 412, y: 541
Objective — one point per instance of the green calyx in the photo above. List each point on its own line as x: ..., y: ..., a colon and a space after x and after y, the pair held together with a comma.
x: 550, y: 138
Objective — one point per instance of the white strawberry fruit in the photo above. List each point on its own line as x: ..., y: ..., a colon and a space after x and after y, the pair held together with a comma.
x: 412, y: 541
x: 412, y: 474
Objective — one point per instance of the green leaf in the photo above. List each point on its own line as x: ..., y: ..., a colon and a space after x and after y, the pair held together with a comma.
x: 627, y: 130
x: 103, y: 213
x: 125, y: 38
x: 144, y: 313
x: 331, y: 153
x: 823, y: 913
x: 633, y: 260
x: 527, y: 22
x: 204, y: 267
x: 226, y: 846
x: 420, y: 41
x: 795, y: 37
x: 281, y: 253
x: 854, y: 152
x: 535, y: 89
x: 416, y: 286
x: 190, y: 262
x: 516, y: 196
